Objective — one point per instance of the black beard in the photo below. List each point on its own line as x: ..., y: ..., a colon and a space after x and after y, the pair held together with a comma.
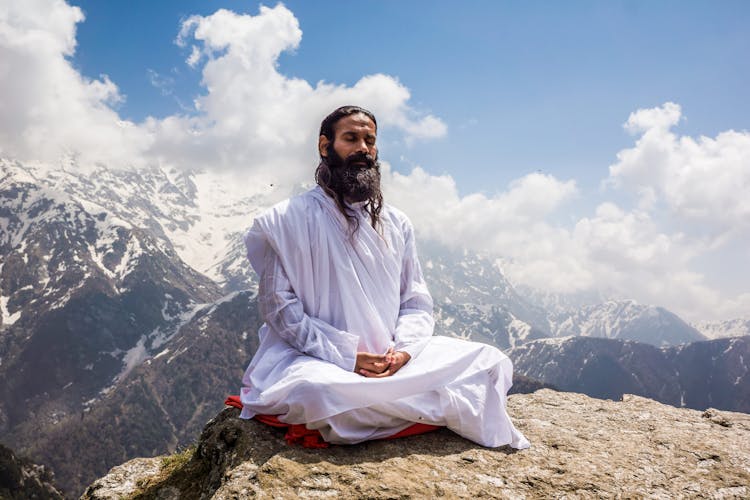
x: 356, y: 177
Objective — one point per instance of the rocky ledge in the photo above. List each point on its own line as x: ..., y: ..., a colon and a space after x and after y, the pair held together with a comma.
x: 581, y: 447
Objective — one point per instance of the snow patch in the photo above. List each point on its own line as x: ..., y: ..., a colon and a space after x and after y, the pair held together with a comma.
x: 129, y: 259
x: 155, y: 339
x: 518, y: 331
x: 165, y: 351
x: 8, y: 318
x: 133, y: 357
x: 97, y: 258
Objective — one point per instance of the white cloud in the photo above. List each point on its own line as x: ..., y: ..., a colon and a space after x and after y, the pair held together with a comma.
x: 631, y: 257
x: 251, y: 118
x: 254, y: 119
x: 622, y: 253
x: 440, y: 213
x: 511, y: 224
x: 700, y: 185
x: 47, y: 109
x: 704, y: 181
x: 662, y: 118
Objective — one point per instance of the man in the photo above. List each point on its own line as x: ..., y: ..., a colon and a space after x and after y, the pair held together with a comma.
x: 347, y: 345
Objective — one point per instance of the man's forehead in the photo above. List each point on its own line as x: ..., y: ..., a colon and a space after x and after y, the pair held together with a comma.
x: 358, y: 122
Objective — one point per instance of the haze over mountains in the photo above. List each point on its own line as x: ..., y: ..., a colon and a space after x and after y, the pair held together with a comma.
x: 127, y: 313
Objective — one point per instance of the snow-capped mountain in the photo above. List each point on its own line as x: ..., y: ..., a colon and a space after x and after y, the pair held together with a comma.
x: 625, y: 320
x: 722, y: 329
x: 473, y: 300
x: 488, y: 323
x: 86, y: 296
x: 93, y: 289
x: 199, y: 215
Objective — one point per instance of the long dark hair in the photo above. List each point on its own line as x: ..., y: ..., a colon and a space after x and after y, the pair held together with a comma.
x: 323, y: 175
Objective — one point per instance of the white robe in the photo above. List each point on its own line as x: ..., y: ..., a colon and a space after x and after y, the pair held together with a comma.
x: 326, y: 296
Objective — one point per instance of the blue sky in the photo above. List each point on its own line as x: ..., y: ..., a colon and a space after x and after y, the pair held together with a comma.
x: 522, y: 86
x: 586, y: 145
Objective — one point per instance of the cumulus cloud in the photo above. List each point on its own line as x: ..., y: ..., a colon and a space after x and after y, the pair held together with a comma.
x: 660, y: 118
x: 703, y: 181
x: 47, y: 109
x: 622, y: 253
x: 630, y: 256
x: 253, y: 118
x: 475, y: 217
x: 699, y: 185
x: 512, y: 224
x: 250, y: 119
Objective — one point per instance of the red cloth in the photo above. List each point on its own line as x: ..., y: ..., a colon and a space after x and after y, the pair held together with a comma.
x: 299, y: 434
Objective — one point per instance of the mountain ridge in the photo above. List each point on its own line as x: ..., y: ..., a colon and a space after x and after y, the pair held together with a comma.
x: 712, y: 373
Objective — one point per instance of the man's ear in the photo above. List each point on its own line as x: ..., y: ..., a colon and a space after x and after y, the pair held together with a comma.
x: 323, y: 146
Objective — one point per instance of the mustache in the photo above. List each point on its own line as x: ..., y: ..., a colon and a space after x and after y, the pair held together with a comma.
x: 359, y: 161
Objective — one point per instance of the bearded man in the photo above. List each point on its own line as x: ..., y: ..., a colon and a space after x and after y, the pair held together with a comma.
x: 347, y: 347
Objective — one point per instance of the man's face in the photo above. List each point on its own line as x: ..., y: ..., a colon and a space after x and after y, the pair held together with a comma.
x: 352, y: 134
x: 352, y: 158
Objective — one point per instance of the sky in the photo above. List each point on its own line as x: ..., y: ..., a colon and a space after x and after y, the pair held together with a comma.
x: 586, y: 145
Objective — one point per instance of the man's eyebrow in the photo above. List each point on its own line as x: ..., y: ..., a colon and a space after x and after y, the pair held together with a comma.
x: 356, y: 132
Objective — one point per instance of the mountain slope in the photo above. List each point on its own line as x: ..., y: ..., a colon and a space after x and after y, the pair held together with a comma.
x: 86, y: 295
x: 699, y: 375
x: 162, y: 404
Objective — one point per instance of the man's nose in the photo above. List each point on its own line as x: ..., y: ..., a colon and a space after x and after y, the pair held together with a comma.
x: 362, y: 147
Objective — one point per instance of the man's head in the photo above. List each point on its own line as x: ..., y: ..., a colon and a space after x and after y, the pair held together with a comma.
x: 349, y: 171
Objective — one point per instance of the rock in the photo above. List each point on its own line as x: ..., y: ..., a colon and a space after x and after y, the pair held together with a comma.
x: 124, y: 479
x: 581, y: 447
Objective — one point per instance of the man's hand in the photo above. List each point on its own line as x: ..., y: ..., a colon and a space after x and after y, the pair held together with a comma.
x: 395, y: 360
x: 372, y: 363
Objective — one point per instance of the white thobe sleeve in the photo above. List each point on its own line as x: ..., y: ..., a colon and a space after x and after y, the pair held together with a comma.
x: 415, y: 323
x: 284, y: 313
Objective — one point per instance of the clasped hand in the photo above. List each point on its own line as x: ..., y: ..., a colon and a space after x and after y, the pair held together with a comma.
x: 380, y: 365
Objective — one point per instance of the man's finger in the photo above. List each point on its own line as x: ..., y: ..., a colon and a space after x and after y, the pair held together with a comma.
x: 369, y: 374
x: 374, y: 358
x: 389, y: 355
